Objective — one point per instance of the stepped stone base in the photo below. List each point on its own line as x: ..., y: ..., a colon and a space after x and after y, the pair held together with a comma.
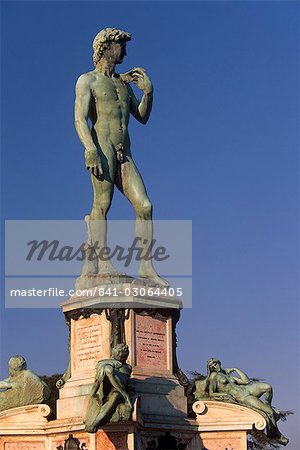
x: 217, y: 426
x: 159, y: 420
x: 37, y: 433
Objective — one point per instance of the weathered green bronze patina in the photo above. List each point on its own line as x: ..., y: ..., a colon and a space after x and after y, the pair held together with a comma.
x: 110, y: 400
x: 117, y: 318
x: 23, y: 387
x: 221, y: 385
x: 107, y: 99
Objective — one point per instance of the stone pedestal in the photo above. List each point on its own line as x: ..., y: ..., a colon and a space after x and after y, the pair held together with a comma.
x: 224, y: 425
x: 89, y: 343
x: 149, y: 331
x: 27, y: 428
x: 159, y: 419
x: 218, y: 426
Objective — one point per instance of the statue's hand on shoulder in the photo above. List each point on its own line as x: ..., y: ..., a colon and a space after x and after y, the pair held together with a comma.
x: 141, y: 80
x: 229, y: 371
x: 93, y: 163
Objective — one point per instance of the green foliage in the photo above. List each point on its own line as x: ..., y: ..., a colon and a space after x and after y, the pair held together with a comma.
x: 258, y: 440
x: 196, y: 376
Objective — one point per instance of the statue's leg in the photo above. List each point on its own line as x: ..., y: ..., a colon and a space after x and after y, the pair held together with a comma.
x: 105, y: 412
x: 258, y: 389
x: 272, y: 429
x: 103, y: 193
x: 90, y: 265
x: 256, y: 403
x: 130, y: 183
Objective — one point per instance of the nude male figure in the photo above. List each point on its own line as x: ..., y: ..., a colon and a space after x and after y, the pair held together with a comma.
x: 110, y: 389
x: 106, y: 98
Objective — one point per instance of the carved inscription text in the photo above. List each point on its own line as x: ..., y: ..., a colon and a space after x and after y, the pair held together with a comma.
x: 151, y: 342
x: 88, y: 343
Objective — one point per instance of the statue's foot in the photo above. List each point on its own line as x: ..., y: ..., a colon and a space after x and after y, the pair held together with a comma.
x: 106, y: 269
x: 151, y: 276
x: 283, y: 440
x: 90, y: 428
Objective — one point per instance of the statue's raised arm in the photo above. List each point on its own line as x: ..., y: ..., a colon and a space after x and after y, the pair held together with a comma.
x: 140, y: 109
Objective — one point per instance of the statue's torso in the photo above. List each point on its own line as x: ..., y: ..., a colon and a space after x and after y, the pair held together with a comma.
x: 226, y: 384
x: 109, y: 111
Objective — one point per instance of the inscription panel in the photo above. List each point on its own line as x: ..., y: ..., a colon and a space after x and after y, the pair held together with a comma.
x: 24, y: 445
x: 87, y: 340
x: 151, y: 334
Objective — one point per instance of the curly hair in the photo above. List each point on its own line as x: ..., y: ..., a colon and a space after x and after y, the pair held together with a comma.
x: 103, y: 40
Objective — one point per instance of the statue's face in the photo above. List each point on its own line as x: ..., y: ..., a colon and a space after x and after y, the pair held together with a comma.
x: 118, y: 51
x: 216, y: 367
x: 123, y: 355
x: 15, y: 366
x: 11, y: 371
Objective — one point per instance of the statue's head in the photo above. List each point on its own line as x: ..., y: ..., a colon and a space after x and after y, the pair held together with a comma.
x: 120, y: 352
x: 16, y: 364
x: 213, y: 365
x: 111, y: 43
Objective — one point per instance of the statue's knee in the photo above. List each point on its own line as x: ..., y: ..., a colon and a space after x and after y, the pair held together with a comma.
x: 101, y: 206
x: 145, y: 208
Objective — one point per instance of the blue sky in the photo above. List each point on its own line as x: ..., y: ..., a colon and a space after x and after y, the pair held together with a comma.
x: 221, y: 148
